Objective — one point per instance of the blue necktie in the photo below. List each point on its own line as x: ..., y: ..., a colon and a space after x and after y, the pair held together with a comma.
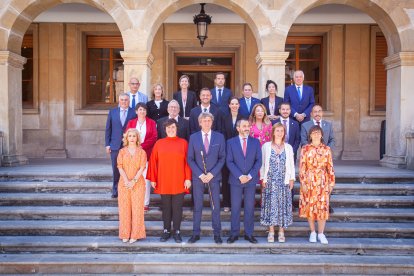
x: 248, y: 104
x: 299, y: 94
x: 219, y: 97
x: 133, y: 101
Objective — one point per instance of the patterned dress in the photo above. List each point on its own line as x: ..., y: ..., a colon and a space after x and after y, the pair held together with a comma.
x: 276, y: 197
x: 264, y: 135
x: 131, y: 201
x: 317, y: 173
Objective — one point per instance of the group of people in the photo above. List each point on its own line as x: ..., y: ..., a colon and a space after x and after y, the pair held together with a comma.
x: 226, y: 145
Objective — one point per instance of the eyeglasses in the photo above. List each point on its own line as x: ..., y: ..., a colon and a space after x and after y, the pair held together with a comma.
x: 134, y: 83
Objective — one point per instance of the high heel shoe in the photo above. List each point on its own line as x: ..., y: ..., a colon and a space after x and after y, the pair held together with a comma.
x: 271, y: 237
x: 281, y: 237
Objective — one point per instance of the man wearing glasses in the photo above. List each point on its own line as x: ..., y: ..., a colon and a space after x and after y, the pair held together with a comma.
x: 134, y: 95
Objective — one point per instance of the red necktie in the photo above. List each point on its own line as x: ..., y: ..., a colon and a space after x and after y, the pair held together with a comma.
x: 244, y: 146
x: 206, y: 144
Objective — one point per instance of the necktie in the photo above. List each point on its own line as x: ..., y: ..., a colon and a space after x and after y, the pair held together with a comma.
x: 299, y: 94
x: 318, y: 123
x: 133, y: 101
x: 206, y: 144
x: 219, y: 96
x: 123, y: 116
x: 286, y: 135
x: 244, y: 146
x: 248, y: 104
x: 205, y: 110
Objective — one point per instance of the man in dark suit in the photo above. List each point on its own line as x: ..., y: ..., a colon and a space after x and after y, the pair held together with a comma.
x: 206, y: 157
x: 183, y: 125
x: 292, y: 127
x: 300, y: 97
x: 204, y: 107
x: 221, y: 94
x: 118, y: 118
x: 244, y: 159
x: 328, y: 134
x: 247, y: 102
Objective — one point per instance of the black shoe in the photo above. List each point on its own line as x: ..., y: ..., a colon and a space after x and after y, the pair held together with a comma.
x: 165, y: 236
x: 194, y: 238
x: 232, y: 239
x: 114, y: 196
x: 177, y: 237
x: 251, y: 239
x: 217, y: 239
x: 331, y: 210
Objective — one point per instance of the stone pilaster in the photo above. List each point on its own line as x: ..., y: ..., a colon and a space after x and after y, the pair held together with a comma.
x: 138, y: 64
x: 271, y: 66
x: 11, y: 66
x: 400, y: 111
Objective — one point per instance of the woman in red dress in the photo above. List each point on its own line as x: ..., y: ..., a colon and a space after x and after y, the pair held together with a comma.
x: 170, y: 176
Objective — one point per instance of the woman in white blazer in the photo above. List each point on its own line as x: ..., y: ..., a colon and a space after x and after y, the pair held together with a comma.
x: 278, y: 175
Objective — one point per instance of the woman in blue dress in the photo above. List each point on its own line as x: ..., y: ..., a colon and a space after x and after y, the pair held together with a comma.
x: 278, y: 175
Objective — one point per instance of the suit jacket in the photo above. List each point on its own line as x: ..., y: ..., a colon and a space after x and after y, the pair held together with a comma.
x: 225, y: 96
x: 182, y: 132
x: 265, y: 102
x: 328, y: 134
x: 214, y: 159
x: 239, y: 165
x: 190, y: 104
x: 156, y: 113
x: 294, y: 134
x: 300, y: 106
x: 196, y: 111
x: 114, y: 128
x: 150, y: 135
x: 243, y: 106
x: 228, y: 129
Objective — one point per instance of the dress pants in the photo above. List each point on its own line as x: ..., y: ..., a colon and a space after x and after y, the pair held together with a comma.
x: 172, y: 209
x: 237, y: 191
x: 225, y: 186
x: 115, y: 172
x: 198, y: 193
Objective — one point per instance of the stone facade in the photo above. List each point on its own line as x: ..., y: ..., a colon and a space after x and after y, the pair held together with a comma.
x: 59, y: 126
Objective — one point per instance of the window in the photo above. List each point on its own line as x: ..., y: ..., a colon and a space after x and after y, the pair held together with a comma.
x: 27, y: 73
x: 305, y: 53
x: 104, y: 69
x: 380, y: 72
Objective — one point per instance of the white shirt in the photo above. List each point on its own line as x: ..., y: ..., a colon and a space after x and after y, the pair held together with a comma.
x: 202, y: 108
x: 142, y: 129
x: 208, y: 136
x: 315, y: 123
x: 176, y: 118
x: 157, y: 103
x: 287, y: 124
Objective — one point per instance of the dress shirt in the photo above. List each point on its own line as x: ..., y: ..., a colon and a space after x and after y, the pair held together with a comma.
x: 315, y: 123
x: 241, y: 144
x: 217, y: 93
x: 202, y: 108
x: 176, y: 118
x: 287, y: 124
x: 122, y: 114
x: 301, y: 96
x: 142, y: 98
x: 142, y: 129
x: 208, y: 136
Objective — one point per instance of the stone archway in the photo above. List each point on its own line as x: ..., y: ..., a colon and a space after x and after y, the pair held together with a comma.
x: 398, y: 29
x: 16, y: 18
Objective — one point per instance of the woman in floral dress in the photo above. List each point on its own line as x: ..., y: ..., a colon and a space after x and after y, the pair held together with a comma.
x: 317, y: 180
x: 277, y: 175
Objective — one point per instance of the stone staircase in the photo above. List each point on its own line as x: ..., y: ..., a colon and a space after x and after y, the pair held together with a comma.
x: 51, y: 227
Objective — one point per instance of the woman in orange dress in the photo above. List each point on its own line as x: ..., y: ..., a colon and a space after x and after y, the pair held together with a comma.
x: 317, y: 180
x: 131, y: 188
x: 170, y: 176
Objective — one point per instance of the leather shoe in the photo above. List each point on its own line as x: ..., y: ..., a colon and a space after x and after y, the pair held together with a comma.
x: 177, y: 237
x: 194, y: 238
x: 331, y: 210
x: 232, y: 239
x: 217, y: 239
x: 114, y: 196
x: 251, y: 239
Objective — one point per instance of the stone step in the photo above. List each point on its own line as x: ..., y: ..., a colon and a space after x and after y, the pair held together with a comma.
x: 112, y: 244
x: 60, y: 199
x: 154, y: 214
x: 154, y: 228
x: 105, y: 187
x: 204, y: 263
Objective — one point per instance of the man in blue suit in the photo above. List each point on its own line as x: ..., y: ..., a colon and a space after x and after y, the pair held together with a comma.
x: 206, y: 106
x: 247, y: 102
x: 244, y: 159
x: 118, y: 118
x: 300, y: 97
x: 206, y: 157
x: 221, y: 94
x: 292, y: 127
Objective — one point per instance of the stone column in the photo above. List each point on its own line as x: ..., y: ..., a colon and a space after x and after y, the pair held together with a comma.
x: 138, y: 64
x: 11, y: 66
x: 400, y: 111
x: 271, y: 66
